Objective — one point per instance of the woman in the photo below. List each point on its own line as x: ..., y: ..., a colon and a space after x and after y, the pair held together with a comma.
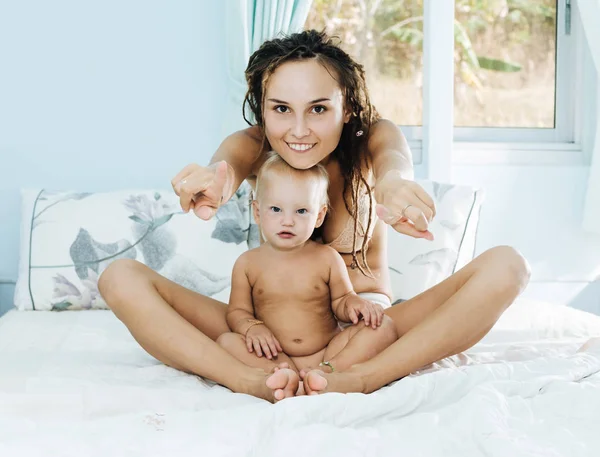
x: 311, y: 105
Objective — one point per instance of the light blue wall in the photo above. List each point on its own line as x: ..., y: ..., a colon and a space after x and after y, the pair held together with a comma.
x: 117, y: 94
x: 104, y: 95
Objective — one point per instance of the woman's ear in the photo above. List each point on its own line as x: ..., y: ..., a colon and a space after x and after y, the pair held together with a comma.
x: 347, y: 116
x: 255, y: 211
x: 321, y: 216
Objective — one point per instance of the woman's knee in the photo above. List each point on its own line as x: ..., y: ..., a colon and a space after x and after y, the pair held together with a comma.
x: 115, y: 275
x: 508, y: 266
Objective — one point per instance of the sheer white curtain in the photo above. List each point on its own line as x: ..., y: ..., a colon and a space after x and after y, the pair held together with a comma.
x: 590, y: 19
x: 248, y: 24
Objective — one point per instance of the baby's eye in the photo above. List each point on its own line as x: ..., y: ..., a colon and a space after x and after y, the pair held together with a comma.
x: 302, y: 211
x: 319, y: 109
x: 281, y: 109
x: 275, y: 209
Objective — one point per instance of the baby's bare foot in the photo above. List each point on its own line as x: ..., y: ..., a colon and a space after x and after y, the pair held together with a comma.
x: 269, y: 386
x: 317, y: 382
x: 284, y: 383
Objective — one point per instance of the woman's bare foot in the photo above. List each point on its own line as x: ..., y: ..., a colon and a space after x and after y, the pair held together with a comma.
x: 318, y: 382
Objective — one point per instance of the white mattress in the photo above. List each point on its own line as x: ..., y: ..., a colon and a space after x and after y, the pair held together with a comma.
x: 76, y: 383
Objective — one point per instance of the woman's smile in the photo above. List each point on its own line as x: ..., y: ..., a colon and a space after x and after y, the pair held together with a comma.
x: 300, y: 147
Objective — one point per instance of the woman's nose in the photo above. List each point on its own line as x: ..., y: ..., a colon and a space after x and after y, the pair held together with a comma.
x: 300, y: 128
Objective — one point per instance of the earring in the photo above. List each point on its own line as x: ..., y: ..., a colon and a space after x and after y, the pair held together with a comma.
x: 359, y: 133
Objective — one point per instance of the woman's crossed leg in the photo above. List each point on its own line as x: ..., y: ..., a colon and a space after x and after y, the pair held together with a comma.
x: 179, y: 327
x: 442, y: 321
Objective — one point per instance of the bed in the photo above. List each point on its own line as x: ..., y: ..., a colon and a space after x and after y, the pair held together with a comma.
x: 76, y: 383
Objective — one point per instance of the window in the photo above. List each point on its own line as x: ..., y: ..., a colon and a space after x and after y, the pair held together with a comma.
x: 505, y: 57
x: 386, y: 37
x: 515, y: 63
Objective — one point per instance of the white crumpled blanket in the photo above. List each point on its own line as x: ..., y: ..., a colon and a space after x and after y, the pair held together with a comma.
x: 77, y: 384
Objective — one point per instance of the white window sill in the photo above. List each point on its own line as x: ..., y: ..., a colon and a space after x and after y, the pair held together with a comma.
x: 468, y: 153
x: 496, y: 153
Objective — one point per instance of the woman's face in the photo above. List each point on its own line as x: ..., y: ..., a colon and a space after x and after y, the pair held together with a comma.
x: 303, y: 113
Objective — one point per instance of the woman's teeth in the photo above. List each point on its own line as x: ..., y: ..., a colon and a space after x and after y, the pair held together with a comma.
x: 300, y: 147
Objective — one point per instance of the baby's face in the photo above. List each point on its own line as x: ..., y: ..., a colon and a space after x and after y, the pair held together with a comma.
x: 288, y: 211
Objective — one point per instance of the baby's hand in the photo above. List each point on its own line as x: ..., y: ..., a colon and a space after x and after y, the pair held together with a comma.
x: 371, y: 313
x: 261, y: 340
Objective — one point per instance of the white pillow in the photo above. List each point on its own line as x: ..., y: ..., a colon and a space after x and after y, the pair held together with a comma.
x: 416, y: 264
x: 69, y: 238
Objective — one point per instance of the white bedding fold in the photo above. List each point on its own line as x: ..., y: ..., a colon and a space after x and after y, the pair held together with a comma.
x: 76, y: 383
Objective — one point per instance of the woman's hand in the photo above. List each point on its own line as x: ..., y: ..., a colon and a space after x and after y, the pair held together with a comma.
x: 262, y: 341
x: 356, y: 306
x: 404, y: 205
x: 204, y: 189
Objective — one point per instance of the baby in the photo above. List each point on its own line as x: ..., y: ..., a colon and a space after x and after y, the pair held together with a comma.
x: 288, y: 295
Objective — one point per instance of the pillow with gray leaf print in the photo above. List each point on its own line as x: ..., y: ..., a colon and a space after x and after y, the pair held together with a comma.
x: 416, y: 265
x: 69, y: 238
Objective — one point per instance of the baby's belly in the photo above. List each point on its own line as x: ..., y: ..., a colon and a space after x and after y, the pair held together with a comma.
x: 301, y: 332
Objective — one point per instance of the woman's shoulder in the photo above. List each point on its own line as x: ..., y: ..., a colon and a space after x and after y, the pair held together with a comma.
x: 384, y: 131
x: 255, y: 135
x: 254, y: 132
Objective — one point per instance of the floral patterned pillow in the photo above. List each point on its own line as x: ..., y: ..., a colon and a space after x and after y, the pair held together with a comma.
x: 416, y: 265
x: 69, y: 238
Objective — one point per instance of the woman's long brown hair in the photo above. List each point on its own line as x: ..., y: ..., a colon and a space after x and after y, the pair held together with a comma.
x: 351, y: 151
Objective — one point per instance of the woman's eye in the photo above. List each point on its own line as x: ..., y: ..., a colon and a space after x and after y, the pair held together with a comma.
x: 319, y: 109
x: 302, y: 211
x: 281, y: 109
x: 275, y: 209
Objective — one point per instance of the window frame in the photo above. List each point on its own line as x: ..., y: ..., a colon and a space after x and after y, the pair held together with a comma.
x: 565, y: 95
x: 505, y: 145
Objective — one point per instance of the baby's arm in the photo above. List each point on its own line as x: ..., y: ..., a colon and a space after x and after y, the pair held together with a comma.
x: 345, y: 303
x: 240, y: 312
x: 340, y: 287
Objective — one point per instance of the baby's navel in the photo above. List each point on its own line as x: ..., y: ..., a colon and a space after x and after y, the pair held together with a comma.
x: 297, y: 340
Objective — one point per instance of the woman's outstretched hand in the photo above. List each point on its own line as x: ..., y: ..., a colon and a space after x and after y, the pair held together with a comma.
x: 204, y: 189
x: 404, y: 205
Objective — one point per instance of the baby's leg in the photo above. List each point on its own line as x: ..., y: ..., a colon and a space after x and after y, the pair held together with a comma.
x: 285, y: 382
x: 359, y: 343
x: 310, y: 361
x: 235, y: 344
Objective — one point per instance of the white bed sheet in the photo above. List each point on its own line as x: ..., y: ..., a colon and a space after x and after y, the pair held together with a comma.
x: 77, y: 384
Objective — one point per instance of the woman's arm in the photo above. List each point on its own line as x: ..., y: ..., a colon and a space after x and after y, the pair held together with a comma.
x: 241, y: 150
x: 402, y: 203
x: 204, y: 189
x: 389, y: 150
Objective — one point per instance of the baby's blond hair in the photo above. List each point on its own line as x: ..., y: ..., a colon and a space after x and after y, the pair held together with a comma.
x: 276, y: 165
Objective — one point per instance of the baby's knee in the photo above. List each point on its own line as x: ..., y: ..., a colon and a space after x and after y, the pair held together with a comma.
x: 230, y: 340
x: 388, y: 329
